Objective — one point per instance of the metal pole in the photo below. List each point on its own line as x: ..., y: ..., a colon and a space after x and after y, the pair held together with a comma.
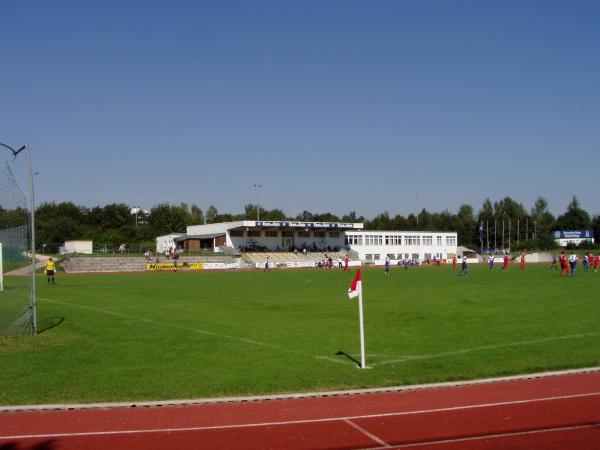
x: 495, y: 236
x: 362, y: 329
x: 257, y: 186
x: 517, y: 232
x: 32, y: 200
x: 509, y: 223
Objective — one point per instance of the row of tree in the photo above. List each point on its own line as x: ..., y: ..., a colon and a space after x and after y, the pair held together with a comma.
x: 500, y: 222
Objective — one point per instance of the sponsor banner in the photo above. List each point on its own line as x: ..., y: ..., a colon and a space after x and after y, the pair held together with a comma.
x: 213, y: 266
x: 304, y: 224
x: 573, y: 234
x: 162, y: 266
x: 192, y: 266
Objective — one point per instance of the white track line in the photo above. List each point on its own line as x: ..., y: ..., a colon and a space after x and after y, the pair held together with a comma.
x: 485, y: 347
x: 366, y: 433
x: 299, y: 422
x: 197, y: 330
x: 489, y: 436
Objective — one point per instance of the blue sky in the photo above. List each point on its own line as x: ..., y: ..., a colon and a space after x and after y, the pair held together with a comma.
x: 333, y: 106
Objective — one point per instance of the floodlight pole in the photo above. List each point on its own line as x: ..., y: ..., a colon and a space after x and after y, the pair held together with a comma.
x: 257, y: 187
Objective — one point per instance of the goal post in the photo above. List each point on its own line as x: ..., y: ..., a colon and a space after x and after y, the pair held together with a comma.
x: 1, y: 270
x: 17, y: 245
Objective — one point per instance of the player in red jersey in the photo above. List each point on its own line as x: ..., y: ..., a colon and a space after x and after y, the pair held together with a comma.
x: 505, y: 263
x: 522, y: 260
x: 454, y: 263
x: 562, y: 260
x: 596, y: 262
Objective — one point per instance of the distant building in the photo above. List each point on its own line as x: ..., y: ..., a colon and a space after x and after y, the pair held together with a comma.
x: 400, y: 245
x: 82, y: 247
x: 250, y: 235
x: 576, y: 237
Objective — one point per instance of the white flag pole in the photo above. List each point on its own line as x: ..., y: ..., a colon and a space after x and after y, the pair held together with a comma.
x: 362, y: 328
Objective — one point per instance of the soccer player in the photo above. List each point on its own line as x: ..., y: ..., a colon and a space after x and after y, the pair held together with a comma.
x: 596, y: 262
x: 346, y: 264
x: 465, y: 267
x: 573, y: 263
x: 554, y: 263
x: 586, y: 263
x: 387, y: 265
x: 49, y: 266
x: 522, y: 260
x: 454, y: 262
x: 491, y: 262
x: 562, y: 259
x: 505, y: 265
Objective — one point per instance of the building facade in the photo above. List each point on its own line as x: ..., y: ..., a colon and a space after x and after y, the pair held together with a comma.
x: 402, y: 245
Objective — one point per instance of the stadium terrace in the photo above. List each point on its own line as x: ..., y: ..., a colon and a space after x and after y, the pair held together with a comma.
x: 301, y: 237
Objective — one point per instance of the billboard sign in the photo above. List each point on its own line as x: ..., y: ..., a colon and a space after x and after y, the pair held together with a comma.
x: 573, y: 234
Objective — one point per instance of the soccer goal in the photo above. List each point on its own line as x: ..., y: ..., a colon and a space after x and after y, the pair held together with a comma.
x: 17, y: 293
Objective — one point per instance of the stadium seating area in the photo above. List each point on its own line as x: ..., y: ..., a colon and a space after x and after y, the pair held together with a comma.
x: 83, y: 264
x: 287, y: 257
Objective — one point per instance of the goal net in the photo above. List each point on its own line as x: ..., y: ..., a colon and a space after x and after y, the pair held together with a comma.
x: 16, y: 281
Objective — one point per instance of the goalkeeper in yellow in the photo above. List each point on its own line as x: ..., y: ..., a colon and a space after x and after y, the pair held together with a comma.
x: 50, y: 270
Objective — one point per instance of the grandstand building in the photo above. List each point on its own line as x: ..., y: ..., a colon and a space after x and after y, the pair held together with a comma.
x: 296, y: 237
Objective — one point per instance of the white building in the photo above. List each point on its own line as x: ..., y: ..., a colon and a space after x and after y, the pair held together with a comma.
x: 263, y: 235
x: 251, y: 235
x: 399, y: 245
x: 83, y: 247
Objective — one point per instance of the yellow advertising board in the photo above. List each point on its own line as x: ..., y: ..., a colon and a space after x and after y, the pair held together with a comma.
x: 171, y: 266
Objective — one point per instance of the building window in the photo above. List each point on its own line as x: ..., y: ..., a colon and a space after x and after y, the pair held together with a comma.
x: 450, y: 240
x: 439, y: 240
x: 304, y: 234
x: 368, y: 256
x: 377, y: 257
x: 334, y: 234
x: 271, y: 233
x: 319, y: 234
x: 427, y: 240
x: 254, y: 233
x: 287, y: 234
x: 236, y: 233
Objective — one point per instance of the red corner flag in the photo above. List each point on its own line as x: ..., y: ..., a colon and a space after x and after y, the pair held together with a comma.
x: 356, y: 286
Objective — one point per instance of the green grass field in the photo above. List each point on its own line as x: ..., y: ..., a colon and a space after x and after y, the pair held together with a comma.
x: 157, y: 336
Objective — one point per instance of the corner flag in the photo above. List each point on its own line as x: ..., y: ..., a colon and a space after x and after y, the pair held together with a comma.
x: 355, y: 290
x: 356, y: 286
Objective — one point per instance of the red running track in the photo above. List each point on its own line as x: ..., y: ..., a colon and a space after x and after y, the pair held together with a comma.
x: 551, y: 413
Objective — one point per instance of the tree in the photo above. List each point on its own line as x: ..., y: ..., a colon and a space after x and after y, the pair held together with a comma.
x: 380, y: 222
x: 197, y: 215
x: 466, y: 227
x: 211, y: 214
x: 574, y: 218
x: 166, y: 219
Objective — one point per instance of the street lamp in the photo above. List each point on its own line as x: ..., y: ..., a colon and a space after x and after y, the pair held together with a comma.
x: 257, y: 187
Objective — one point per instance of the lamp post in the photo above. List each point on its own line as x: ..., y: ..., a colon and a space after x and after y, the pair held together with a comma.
x: 257, y: 187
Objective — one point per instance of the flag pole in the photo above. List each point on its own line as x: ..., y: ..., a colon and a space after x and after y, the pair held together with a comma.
x: 362, y: 329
